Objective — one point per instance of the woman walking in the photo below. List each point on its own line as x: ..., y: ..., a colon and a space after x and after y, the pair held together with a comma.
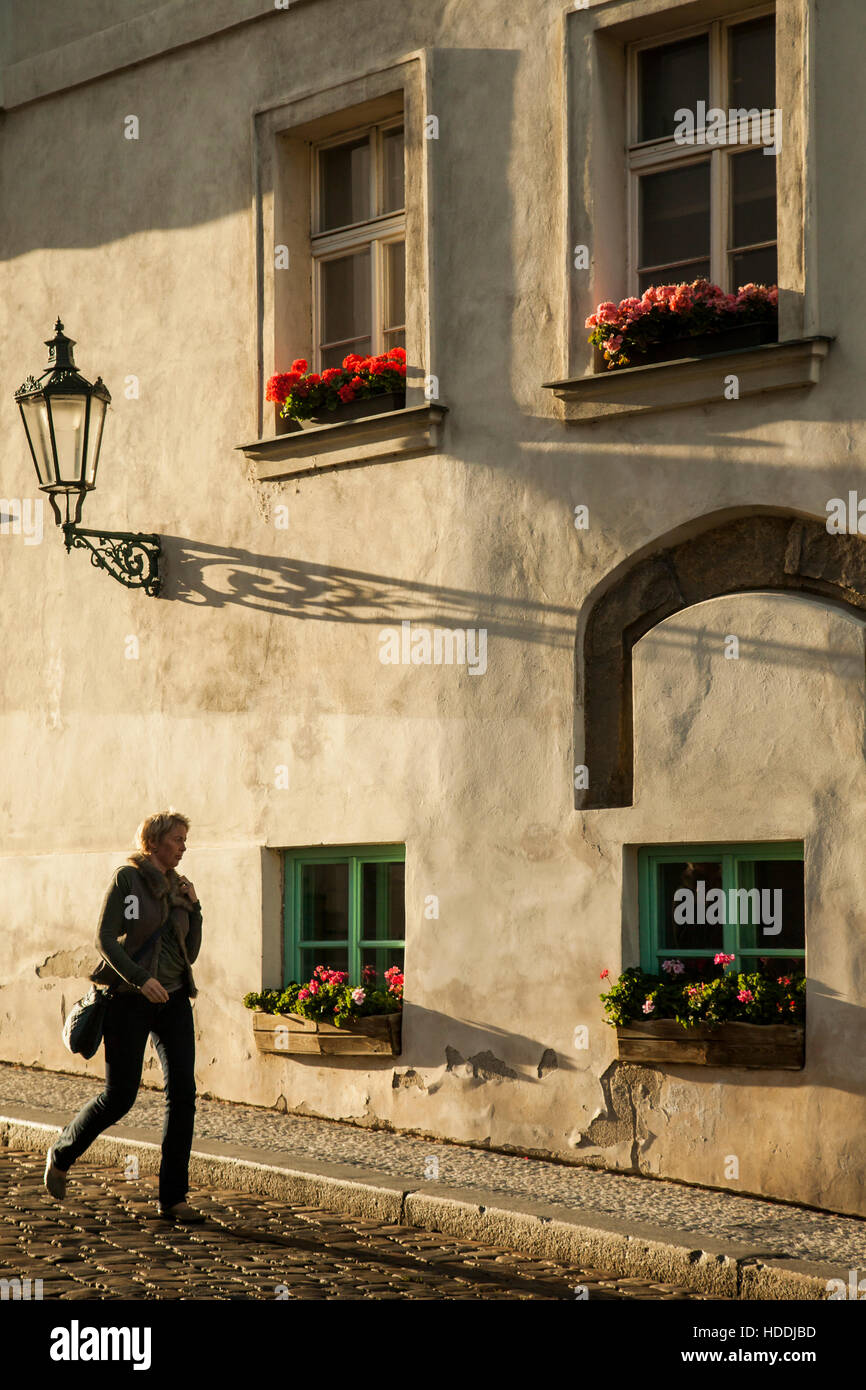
x: 149, y: 933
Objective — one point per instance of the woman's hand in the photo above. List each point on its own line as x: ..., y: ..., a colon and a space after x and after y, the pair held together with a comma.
x: 185, y: 887
x: 154, y: 991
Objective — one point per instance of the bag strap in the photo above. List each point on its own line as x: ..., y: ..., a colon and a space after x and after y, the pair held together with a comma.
x: 137, y: 955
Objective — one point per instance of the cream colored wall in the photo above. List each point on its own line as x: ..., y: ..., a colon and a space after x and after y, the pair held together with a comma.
x: 265, y: 652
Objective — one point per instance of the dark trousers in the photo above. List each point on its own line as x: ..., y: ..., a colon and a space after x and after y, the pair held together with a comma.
x: 129, y: 1019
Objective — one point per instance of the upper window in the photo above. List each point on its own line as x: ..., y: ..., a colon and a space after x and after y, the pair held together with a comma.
x: 345, y: 908
x: 700, y: 901
x: 703, y: 133
x: 358, y: 240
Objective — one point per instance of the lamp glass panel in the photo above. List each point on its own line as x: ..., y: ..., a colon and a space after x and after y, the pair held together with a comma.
x: 35, y: 413
x: 69, y: 414
x: 94, y: 437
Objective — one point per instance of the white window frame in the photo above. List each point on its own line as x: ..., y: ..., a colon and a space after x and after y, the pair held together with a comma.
x: 377, y: 233
x: 657, y: 156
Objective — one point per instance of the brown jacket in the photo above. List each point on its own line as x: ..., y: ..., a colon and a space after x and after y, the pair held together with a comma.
x: 140, y: 898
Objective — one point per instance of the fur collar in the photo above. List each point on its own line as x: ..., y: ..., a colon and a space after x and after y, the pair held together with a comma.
x: 161, y: 885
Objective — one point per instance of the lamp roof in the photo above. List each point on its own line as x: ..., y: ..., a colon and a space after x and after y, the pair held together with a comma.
x: 61, y: 376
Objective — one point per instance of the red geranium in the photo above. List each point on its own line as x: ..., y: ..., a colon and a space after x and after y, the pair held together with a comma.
x: 280, y: 386
x: 304, y: 394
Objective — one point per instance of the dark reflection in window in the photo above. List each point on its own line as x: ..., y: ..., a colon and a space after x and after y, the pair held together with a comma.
x: 684, y: 889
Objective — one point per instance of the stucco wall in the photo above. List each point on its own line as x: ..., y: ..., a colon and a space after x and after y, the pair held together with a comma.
x: 264, y: 650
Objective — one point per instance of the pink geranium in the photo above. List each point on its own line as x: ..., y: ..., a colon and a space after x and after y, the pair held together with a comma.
x: 666, y: 312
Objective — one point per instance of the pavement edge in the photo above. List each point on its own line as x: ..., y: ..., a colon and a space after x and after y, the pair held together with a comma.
x: 629, y: 1249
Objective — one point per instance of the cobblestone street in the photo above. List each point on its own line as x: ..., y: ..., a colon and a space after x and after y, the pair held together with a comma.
x: 107, y: 1241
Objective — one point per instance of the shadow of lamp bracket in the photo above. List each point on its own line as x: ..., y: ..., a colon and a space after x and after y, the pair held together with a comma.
x: 64, y: 418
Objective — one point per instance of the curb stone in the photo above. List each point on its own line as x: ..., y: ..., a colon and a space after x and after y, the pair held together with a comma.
x: 629, y: 1249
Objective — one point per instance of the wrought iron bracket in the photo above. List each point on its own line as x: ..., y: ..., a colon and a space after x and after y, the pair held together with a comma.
x: 129, y: 557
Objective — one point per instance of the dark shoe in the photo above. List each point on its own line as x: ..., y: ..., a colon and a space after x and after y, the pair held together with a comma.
x: 55, y: 1178
x: 183, y: 1212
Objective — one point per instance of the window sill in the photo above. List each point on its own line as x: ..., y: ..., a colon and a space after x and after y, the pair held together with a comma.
x: 780, y: 1047
x: 350, y: 443
x: 691, y: 380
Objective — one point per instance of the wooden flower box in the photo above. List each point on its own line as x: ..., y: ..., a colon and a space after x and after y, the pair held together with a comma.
x: 349, y: 410
x: 290, y: 1033
x: 780, y: 1046
x: 734, y: 339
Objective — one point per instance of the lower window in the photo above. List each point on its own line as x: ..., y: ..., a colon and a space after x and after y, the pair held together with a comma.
x: 345, y: 908
x: 742, y: 900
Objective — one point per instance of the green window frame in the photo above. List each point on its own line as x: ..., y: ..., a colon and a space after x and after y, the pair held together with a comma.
x: 738, y: 871
x: 296, y: 919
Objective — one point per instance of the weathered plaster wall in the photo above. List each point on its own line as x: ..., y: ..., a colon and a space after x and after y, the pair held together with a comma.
x: 265, y: 651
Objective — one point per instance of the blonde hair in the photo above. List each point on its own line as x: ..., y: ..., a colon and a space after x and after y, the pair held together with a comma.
x: 154, y: 827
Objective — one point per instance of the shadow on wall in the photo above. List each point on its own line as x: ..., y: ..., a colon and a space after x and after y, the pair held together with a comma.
x: 472, y: 1051
x: 220, y: 575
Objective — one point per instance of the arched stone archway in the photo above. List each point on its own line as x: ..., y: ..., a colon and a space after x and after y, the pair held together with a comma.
x: 762, y: 551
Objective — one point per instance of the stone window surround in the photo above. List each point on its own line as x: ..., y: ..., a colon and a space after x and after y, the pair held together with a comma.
x: 596, y: 42
x: 282, y: 140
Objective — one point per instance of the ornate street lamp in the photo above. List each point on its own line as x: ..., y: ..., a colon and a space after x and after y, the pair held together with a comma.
x: 64, y: 417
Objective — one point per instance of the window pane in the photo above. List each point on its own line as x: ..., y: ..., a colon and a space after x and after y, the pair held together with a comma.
x: 753, y: 198
x: 383, y: 902
x: 674, y: 275
x: 780, y: 904
x: 382, y: 958
x: 325, y: 902
x: 754, y: 268
x: 752, y: 59
x: 669, y: 77
x: 395, y: 284
x: 334, y: 957
x: 698, y: 880
x: 344, y: 184
x: 675, y: 215
x: 333, y: 356
x: 346, y: 306
x: 393, y: 195
x: 771, y: 966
